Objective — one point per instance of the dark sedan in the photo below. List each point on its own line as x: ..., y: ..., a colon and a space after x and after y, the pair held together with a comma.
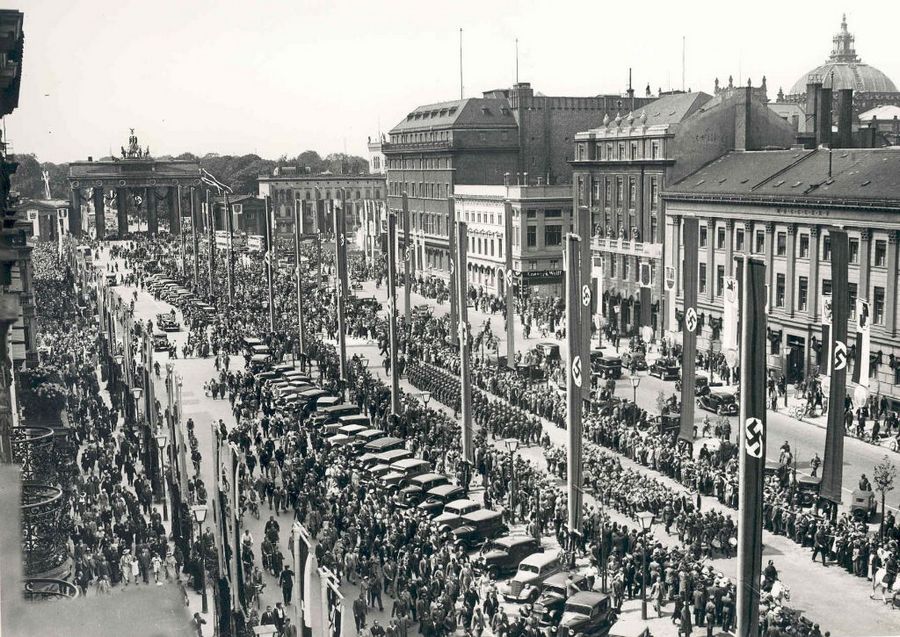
x: 719, y: 403
x: 501, y: 557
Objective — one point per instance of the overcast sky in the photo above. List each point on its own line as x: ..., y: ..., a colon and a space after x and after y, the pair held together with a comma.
x: 277, y: 77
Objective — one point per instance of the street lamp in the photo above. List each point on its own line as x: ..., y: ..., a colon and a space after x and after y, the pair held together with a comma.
x: 426, y: 396
x: 512, y: 445
x: 161, y: 441
x: 635, y: 383
x: 645, y: 518
x: 199, y: 513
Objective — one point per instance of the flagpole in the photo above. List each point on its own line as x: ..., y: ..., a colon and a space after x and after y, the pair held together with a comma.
x: 462, y: 288
x: 211, y: 219
x: 298, y: 220
x: 270, y: 253
x: 340, y: 250
x: 575, y: 376
x: 392, y: 309
x: 230, y: 269
x: 194, y: 239
x: 509, y: 287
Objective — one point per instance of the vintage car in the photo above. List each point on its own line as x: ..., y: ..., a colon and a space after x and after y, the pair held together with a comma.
x: 549, y: 605
x: 808, y: 490
x: 452, y: 515
x: 438, y: 497
x: 160, y: 342
x: 589, y: 614
x: 501, y: 557
x: 862, y: 505
x: 637, y: 360
x: 610, y: 367
x: 525, y: 586
x: 417, y: 486
x: 719, y: 402
x: 665, y: 369
x: 477, y: 527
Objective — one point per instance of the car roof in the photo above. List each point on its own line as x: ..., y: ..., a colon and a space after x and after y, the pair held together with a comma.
x: 409, y: 463
x: 513, y: 540
x: 445, y: 489
x: 561, y: 579
x: 539, y: 559
x: 482, y: 514
x: 422, y: 477
x: 385, y: 442
x: 587, y: 598
x: 387, y: 455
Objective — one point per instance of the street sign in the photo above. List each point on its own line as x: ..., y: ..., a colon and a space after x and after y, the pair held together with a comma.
x: 754, y: 431
x: 840, y: 356
x: 585, y: 295
x: 731, y: 357
x: 690, y: 319
x: 576, y: 371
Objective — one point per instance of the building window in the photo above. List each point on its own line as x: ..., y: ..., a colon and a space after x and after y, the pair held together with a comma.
x: 552, y: 236
x: 531, y: 237
x: 609, y: 153
x: 720, y: 238
x: 654, y: 193
x: 826, y: 287
x: 552, y: 214
x: 781, y: 244
x: 720, y: 279
x: 654, y: 230
x: 632, y: 194
x: 621, y: 151
x: 779, y: 290
x: 739, y: 240
x: 826, y: 248
x: 620, y: 191
x: 802, y: 293
x: 612, y: 266
x: 851, y: 293
x: 607, y: 196
x: 595, y: 183
x: 878, y: 296
x: 703, y: 237
x: 531, y: 214
x: 880, y: 253
x: 654, y: 150
x: 702, y: 278
x: 626, y: 268
x: 854, y: 250
x: 804, y: 246
x: 634, y: 150
x: 760, y: 242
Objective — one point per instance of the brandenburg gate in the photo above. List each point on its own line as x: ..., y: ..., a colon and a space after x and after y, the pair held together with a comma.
x: 135, y: 181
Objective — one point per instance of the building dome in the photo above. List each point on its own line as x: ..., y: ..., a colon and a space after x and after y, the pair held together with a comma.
x: 846, y: 70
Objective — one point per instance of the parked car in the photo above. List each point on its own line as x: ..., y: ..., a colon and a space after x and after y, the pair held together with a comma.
x: 589, y: 614
x: 478, y: 527
x: 417, y: 486
x: 384, y: 457
x: 637, y: 360
x: 549, y: 605
x: 501, y: 557
x: 403, y: 470
x: 665, y: 369
x: 452, y: 515
x: 166, y: 322
x: 438, y: 497
x: 701, y: 386
x: 719, y: 402
x: 525, y: 586
x: 160, y: 342
x: 610, y: 367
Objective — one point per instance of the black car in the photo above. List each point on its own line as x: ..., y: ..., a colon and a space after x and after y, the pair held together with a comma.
x: 665, y: 370
x: 588, y: 614
x: 701, y: 386
x: 719, y: 402
x: 477, y: 527
x: 549, y: 606
x: 436, y: 498
x: 501, y: 557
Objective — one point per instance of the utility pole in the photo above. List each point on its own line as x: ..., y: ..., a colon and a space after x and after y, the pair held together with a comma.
x: 298, y: 220
x: 392, y: 309
x: 575, y: 381
x: 270, y: 255
x: 462, y: 287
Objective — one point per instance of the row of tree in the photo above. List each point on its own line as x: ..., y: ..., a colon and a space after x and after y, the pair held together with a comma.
x: 239, y: 172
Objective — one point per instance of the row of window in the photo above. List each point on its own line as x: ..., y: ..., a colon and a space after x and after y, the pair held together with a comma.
x: 308, y: 194
x: 602, y: 192
x: 485, y: 246
x: 879, y: 251
x: 425, y: 136
x: 626, y: 266
x: 421, y: 190
x: 621, y: 151
x: 419, y: 163
x: 627, y: 224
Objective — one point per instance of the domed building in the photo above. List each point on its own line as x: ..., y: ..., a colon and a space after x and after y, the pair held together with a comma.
x: 843, y: 70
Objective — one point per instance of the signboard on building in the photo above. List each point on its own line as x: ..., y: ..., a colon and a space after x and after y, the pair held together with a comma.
x: 536, y: 277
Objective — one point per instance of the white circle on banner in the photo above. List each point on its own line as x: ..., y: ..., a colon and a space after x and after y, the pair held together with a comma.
x: 731, y: 357
x: 840, y: 356
x: 690, y: 319
x: 509, y: 277
x: 585, y: 295
x: 576, y: 371
x: 647, y: 333
x: 860, y: 395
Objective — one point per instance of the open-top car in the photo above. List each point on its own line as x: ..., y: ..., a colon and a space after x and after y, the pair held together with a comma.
x: 665, y: 369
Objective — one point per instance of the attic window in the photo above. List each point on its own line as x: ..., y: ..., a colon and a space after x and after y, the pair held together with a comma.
x: 434, y: 113
x: 504, y: 110
x: 866, y: 182
x: 443, y: 112
x: 778, y: 183
x: 745, y: 180
x: 452, y: 110
x: 410, y: 116
x: 795, y: 184
x: 485, y: 110
x: 700, y: 182
x: 723, y: 180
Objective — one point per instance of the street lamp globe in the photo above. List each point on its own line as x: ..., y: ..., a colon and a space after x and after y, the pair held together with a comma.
x: 635, y: 381
x: 137, y: 392
x: 512, y: 444
x: 161, y: 440
x: 426, y: 396
x: 199, y: 513
x: 645, y: 518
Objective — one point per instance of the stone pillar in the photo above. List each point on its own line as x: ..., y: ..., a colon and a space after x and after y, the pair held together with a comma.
x: 814, y: 283
x: 770, y: 262
x: 729, y: 247
x: 890, y: 297
x: 791, y: 270
x: 152, y: 221
x: 711, y: 259
x: 174, y: 221
x: 122, y: 197
x: 99, y: 214
x: 865, y: 242
x: 75, y: 214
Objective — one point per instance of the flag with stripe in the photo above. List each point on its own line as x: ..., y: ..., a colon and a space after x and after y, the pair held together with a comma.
x: 863, y: 343
x: 690, y: 325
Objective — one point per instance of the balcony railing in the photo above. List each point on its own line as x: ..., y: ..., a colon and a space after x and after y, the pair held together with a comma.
x: 624, y: 246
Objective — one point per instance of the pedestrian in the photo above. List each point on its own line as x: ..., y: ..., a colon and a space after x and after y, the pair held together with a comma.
x: 286, y: 580
x: 359, y: 611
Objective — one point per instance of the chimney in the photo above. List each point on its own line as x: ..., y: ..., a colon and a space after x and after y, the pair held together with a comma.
x: 743, y: 139
x: 845, y: 118
x: 506, y: 179
x: 895, y: 125
x: 525, y: 179
x: 812, y: 94
x: 823, y: 121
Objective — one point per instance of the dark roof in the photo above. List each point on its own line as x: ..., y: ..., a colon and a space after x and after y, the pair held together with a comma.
x: 672, y: 109
x: 466, y: 113
x: 856, y: 174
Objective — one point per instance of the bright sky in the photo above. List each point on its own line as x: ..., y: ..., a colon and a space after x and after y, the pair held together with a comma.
x: 281, y: 76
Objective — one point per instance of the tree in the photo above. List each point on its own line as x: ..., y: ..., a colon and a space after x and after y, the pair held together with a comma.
x: 885, y: 472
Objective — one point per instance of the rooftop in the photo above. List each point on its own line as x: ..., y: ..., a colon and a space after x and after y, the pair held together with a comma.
x: 466, y: 113
x: 667, y: 110
x: 868, y: 175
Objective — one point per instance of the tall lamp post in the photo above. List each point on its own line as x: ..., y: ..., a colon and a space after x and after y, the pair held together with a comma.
x: 161, y: 441
x: 425, y: 396
x: 512, y: 445
x: 137, y: 392
x: 646, y: 520
x: 199, y: 513
x: 635, y: 383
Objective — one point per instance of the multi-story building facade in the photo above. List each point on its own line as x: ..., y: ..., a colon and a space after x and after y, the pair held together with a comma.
x: 541, y: 217
x: 478, y: 141
x: 290, y: 189
x: 779, y: 205
x: 622, y: 167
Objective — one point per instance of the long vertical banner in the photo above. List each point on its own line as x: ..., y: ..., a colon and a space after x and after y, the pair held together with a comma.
x: 462, y: 289
x: 752, y: 441
x: 340, y: 285
x: 825, y: 312
x: 577, y: 371
x: 833, y: 462
x: 863, y: 343
x: 689, y: 328
x: 332, y: 604
x: 303, y: 572
x: 509, y: 286
x: 298, y: 232
x: 392, y: 309
x: 407, y: 261
x: 451, y: 231
x: 584, y: 278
